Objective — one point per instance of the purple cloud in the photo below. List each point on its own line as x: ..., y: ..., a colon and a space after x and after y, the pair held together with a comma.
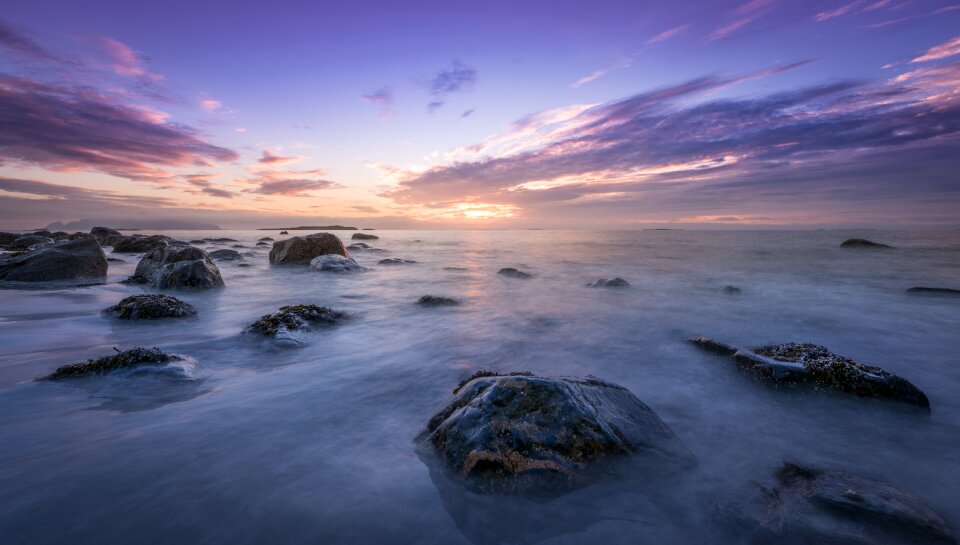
x: 457, y: 78
x: 292, y: 186
x: 18, y: 43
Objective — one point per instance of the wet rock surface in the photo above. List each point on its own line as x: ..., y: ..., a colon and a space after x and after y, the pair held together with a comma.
x: 609, y: 283
x: 142, y: 243
x: 542, y: 437
x: 150, y: 307
x: 933, y: 291
x: 395, y: 261
x: 265, y: 239
x: 25, y: 241
x: 301, y: 250
x: 177, y: 266
x: 364, y: 236
x: 335, y: 263
x: 514, y: 273
x: 813, y: 366
x: 862, y: 243
x: 7, y: 238
x: 80, y: 259
x: 225, y: 255
x: 805, y: 505
x: 103, y: 233
x: 437, y: 301
x: 294, y: 318
x: 134, y: 357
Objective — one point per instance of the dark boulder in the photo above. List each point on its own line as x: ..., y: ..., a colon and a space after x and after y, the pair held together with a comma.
x: 301, y: 250
x: 140, y: 243
x: 731, y: 290
x: 150, y: 307
x: 815, y: 367
x: 395, y: 261
x: 805, y: 505
x: 178, y: 266
x: 225, y: 255
x: 294, y: 318
x: 265, y: 239
x: 514, y: 273
x: 60, y: 235
x: 862, y: 243
x: 542, y: 437
x: 26, y: 241
x: 335, y: 263
x: 135, y: 357
x: 80, y: 259
x: 437, y: 301
x: 262, y: 244
x: 609, y: 283
x: 43, y: 233
x: 933, y: 291
x: 102, y: 233
x: 7, y: 238
x: 284, y: 232
x: 364, y: 236
x: 358, y: 246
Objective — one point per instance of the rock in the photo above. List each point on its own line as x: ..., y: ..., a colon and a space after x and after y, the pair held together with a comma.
x: 437, y: 301
x: 542, y: 437
x: 262, y: 244
x: 150, y: 307
x: 294, y: 318
x: 456, y: 269
x: 862, y: 243
x: 178, y: 266
x: 395, y: 261
x: 26, y: 241
x: 200, y: 241
x: 80, y: 259
x: 609, y: 283
x: 513, y: 273
x: 335, y: 263
x: 43, y: 233
x: 284, y: 233
x: 244, y: 265
x: 8, y: 238
x: 60, y: 235
x: 122, y: 360
x: 933, y: 291
x: 295, y: 250
x: 358, y: 246
x: 225, y: 255
x: 141, y: 243
x: 731, y: 290
x: 101, y: 233
x: 265, y: 239
x: 364, y: 236
x: 222, y: 239
x: 805, y: 505
x: 813, y: 366
x: 237, y: 246
x: 115, y: 260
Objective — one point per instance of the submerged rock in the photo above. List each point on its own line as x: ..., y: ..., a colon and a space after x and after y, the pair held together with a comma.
x: 198, y: 241
x: 222, y: 239
x: 134, y: 357
x: 25, y: 241
x: 150, y: 307
x: 814, y: 366
x: 80, y: 259
x: 805, y: 505
x: 513, y: 273
x: 265, y: 239
x: 284, y: 233
x: 437, y: 301
x: 395, y: 261
x: 358, y: 246
x: 609, y: 283
x: 301, y: 250
x: 141, y: 243
x: 364, y: 236
x: 731, y: 290
x: 225, y: 255
x: 177, y: 267
x: 115, y: 260
x: 534, y: 436
x: 293, y: 318
x: 335, y: 263
x: 261, y: 244
x: 933, y: 291
x: 862, y: 243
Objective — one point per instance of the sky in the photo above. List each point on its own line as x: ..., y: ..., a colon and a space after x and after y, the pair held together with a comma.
x: 559, y: 114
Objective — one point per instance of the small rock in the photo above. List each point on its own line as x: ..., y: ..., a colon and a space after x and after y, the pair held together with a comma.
x: 862, y: 243
x: 395, y: 261
x: 225, y: 255
x: 284, y: 233
x: 609, y: 283
x: 102, y: 233
x: 358, y: 246
x: 731, y: 290
x: 150, y: 307
x: 265, y: 239
x: 223, y: 239
x: 437, y: 301
x: 115, y: 260
x: 364, y: 236
x: 335, y: 263
x: 293, y: 318
x: 933, y: 291
x: 514, y: 273
x: 141, y: 243
x: 134, y: 357
x: 200, y: 241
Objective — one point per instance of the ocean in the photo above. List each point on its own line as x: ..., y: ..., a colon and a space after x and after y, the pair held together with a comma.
x: 315, y: 444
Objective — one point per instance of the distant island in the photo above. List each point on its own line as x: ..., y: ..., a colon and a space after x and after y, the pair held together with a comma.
x: 662, y: 229
x: 311, y: 228
x: 135, y: 225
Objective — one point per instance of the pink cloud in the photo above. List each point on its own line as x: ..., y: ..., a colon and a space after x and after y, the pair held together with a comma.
x: 942, y: 51
x: 127, y: 62
x: 270, y: 158
x: 669, y: 33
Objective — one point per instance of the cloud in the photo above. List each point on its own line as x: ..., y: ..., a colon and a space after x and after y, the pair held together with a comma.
x: 18, y: 43
x: 210, y: 105
x: 382, y: 97
x: 64, y: 127
x: 68, y: 195
x: 841, y: 11
x: 665, y: 147
x: 270, y: 158
x: 293, y: 186
x: 587, y: 79
x: 364, y: 209
x: 669, y: 33
x: 127, y: 62
x: 467, y: 113
x: 457, y: 78
x: 939, y: 52
x: 744, y: 15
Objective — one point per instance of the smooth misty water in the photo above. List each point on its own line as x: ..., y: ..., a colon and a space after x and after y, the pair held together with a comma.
x: 313, y: 445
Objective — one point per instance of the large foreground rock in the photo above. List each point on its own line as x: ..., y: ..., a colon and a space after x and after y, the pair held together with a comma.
x: 301, y: 250
x: 814, y: 366
x: 177, y: 267
x: 807, y: 506
x: 134, y: 357
x: 80, y: 259
x: 543, y: 437
x: 150, y: 307
x: 139, y: 243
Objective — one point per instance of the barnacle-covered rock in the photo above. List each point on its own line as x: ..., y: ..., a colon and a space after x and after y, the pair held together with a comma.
x: 134, y: 357
x: 293, y: 318
x: 150, y: 307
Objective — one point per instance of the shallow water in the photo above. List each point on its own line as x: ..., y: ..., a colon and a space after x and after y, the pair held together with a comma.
x: 314, y: 445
